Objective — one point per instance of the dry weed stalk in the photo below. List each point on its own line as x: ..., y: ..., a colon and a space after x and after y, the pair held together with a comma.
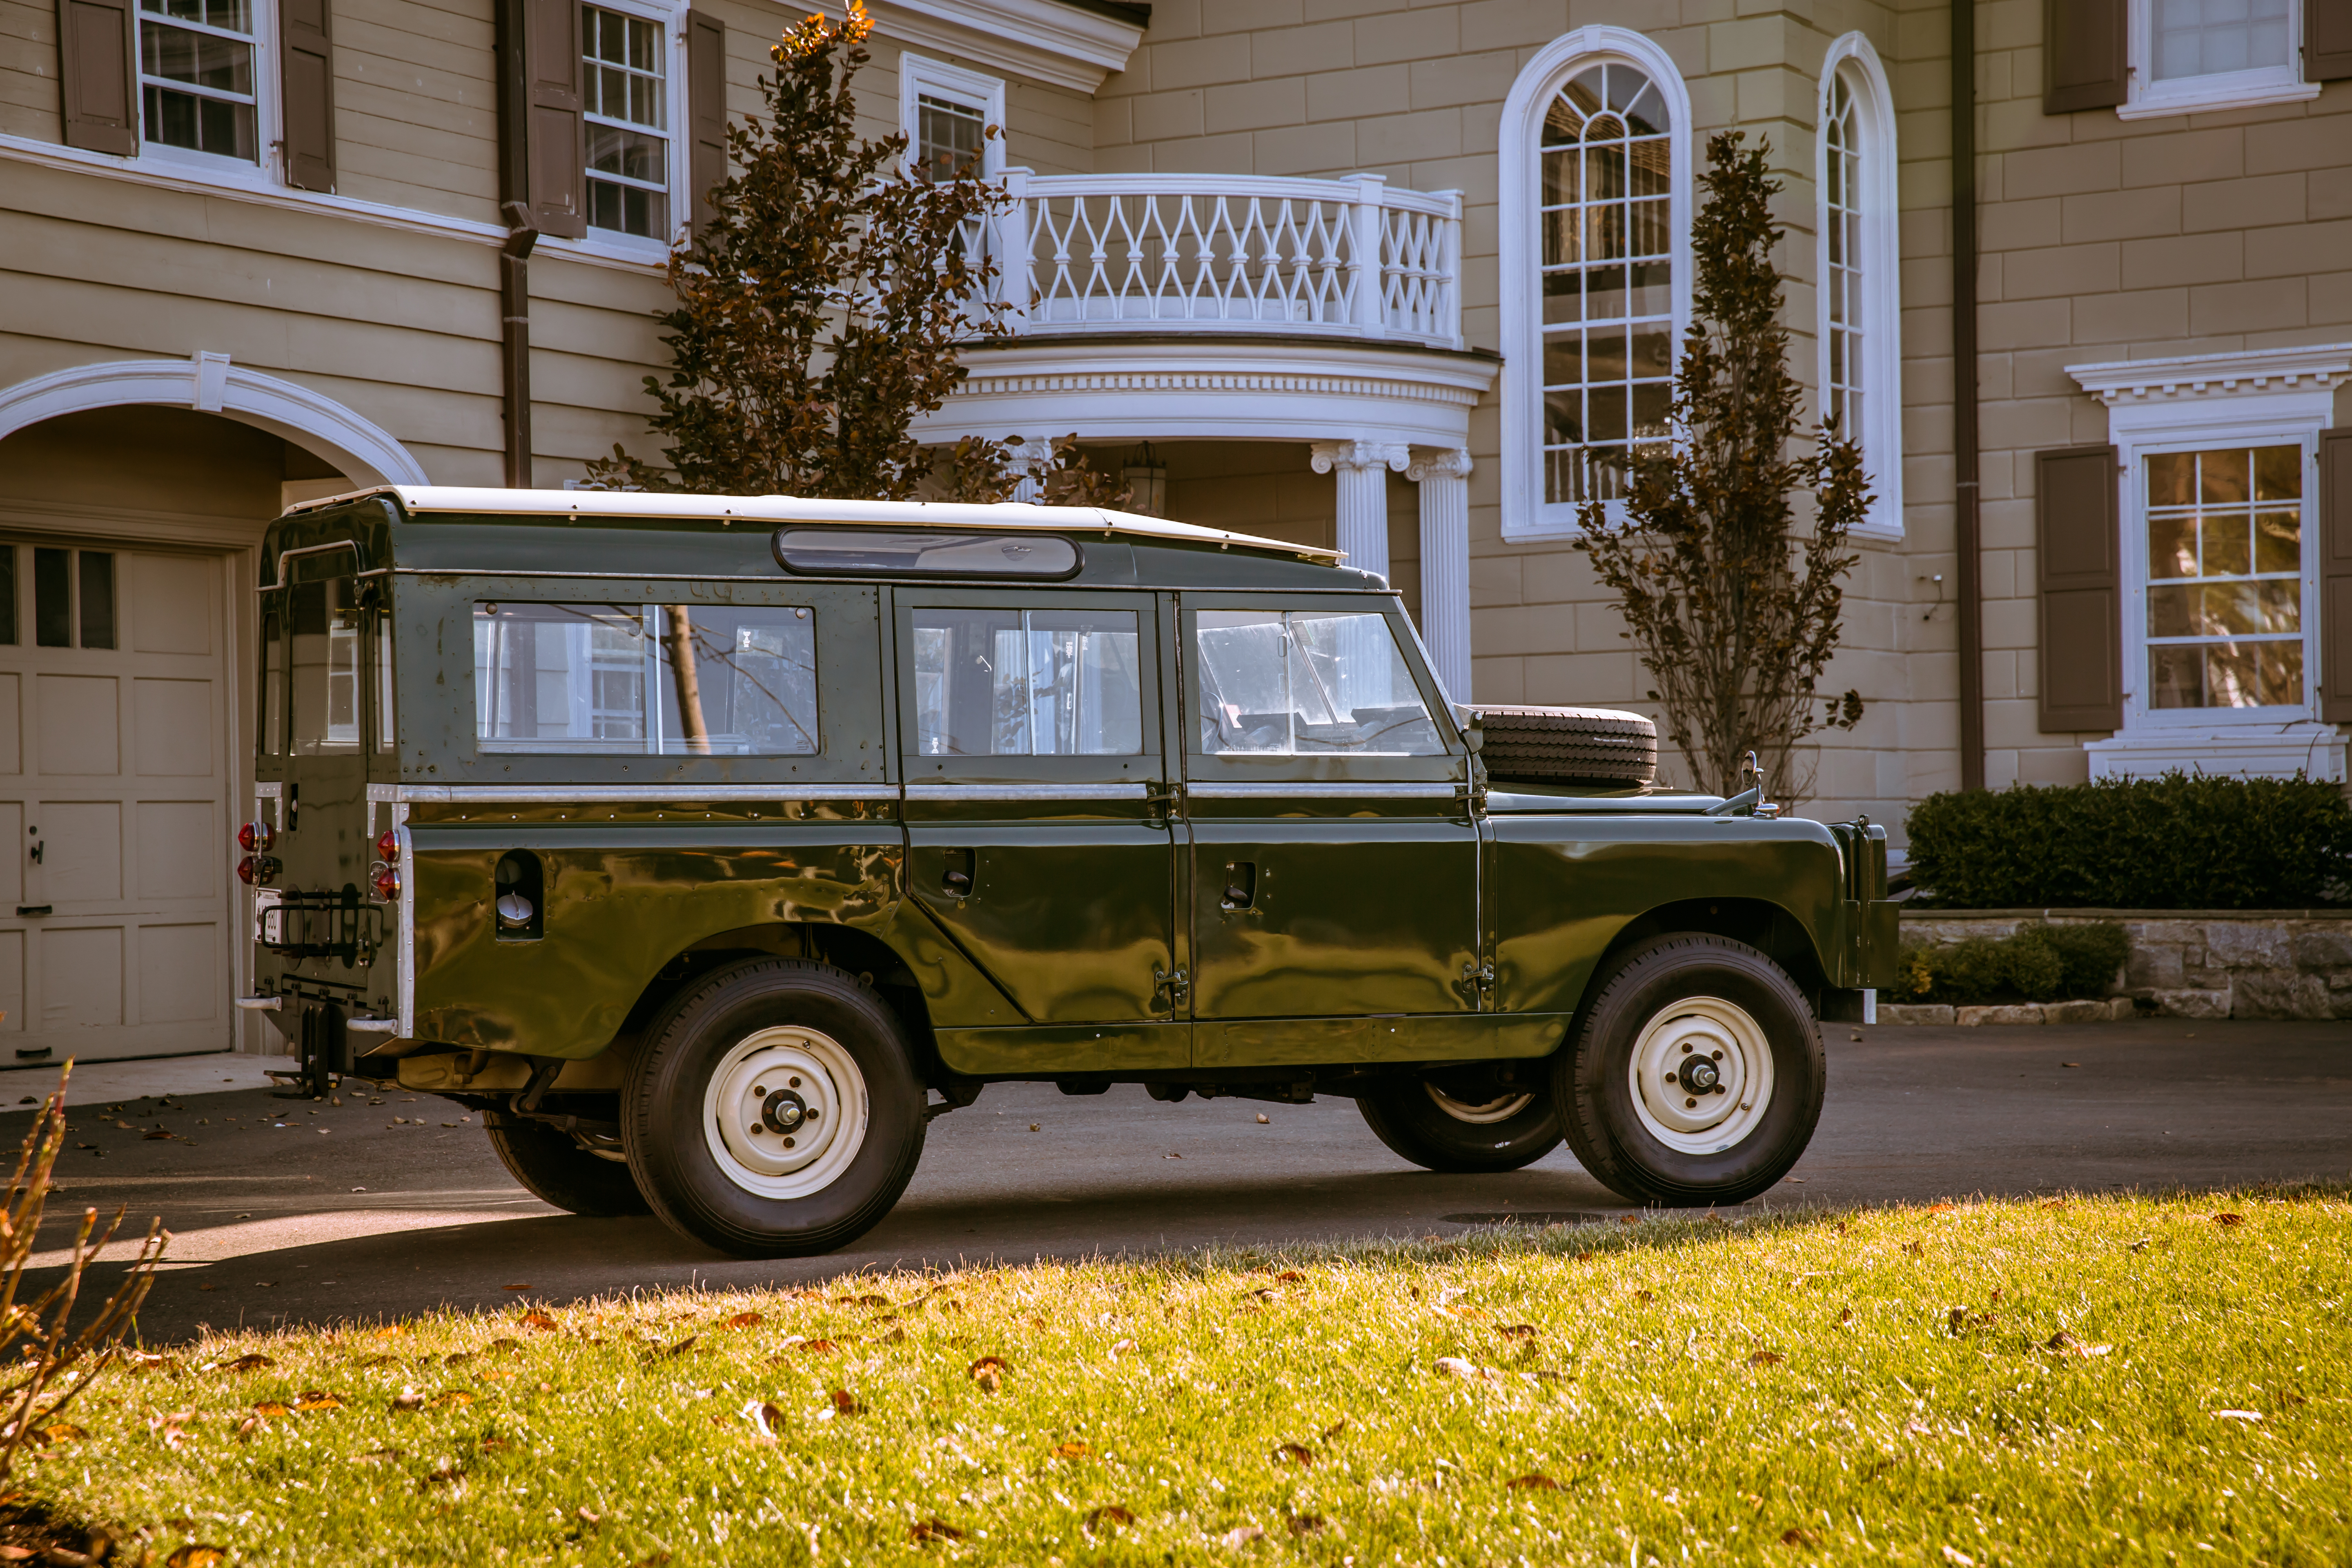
x: 37, y: 1344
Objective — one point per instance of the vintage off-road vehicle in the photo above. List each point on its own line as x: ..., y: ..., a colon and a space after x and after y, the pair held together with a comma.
x: 700, y: 842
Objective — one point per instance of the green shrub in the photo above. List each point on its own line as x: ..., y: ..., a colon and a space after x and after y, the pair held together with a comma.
x: 2181, y: 842
x: 2039, y: 964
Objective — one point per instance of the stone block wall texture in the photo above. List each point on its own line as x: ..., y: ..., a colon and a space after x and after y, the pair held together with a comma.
x: 2191, y: 963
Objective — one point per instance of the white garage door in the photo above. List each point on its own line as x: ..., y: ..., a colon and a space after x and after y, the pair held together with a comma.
x: 113, y: 796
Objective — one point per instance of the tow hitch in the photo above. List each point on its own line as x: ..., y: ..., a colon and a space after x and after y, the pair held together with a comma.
x: 323, y: 1049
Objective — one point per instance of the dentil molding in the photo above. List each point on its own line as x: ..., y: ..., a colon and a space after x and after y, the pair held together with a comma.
x: 2125, y: 383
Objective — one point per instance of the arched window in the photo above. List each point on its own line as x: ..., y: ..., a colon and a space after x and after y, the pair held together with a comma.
x: 1595, y: 209
x: 1860, y: 375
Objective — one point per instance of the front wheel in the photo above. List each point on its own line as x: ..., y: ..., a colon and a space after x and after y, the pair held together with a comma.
x: 775, y: 1112
x: 1697, y: 1076
x: 1482, y: 1117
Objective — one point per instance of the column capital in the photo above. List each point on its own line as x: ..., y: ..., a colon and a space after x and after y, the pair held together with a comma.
x: 1438, y: 463
x: 1359, y: 455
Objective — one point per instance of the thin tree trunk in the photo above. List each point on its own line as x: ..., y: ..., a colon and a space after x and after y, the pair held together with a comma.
x: 677, y: 640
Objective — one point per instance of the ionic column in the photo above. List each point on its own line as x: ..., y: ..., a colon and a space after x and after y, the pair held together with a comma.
x: 1363, y: 532
x: 1444, y: 476
x: 1034, y: 453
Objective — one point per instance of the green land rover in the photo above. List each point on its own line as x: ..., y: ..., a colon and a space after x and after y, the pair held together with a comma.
x: 709, y: 846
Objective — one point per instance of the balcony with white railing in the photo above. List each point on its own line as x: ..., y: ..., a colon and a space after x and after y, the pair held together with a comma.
x: 1080, y: 254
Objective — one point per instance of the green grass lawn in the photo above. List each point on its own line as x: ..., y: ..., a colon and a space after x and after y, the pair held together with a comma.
x: 2090, y: 1381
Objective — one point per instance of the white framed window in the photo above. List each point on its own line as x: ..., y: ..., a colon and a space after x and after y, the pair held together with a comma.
x: 2188, y: 55
x: 1595, y: 210
x: 944, y: 113
x: 1859, y: 267
x: 628, y: 104
x: 206, y: 84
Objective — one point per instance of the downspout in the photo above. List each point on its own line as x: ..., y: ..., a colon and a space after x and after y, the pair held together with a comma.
x: 1968, y: 535
x: 514, y: 255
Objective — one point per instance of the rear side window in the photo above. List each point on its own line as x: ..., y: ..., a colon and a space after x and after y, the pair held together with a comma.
x: 645, y: 679
x: 325, y: 648
x: 1027, y: 683
x: 1300, y: 683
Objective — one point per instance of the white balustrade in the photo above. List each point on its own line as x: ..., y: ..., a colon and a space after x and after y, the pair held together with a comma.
x: 1227, y: 252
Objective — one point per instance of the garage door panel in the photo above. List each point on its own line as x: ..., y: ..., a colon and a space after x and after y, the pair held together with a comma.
x: 170, y: 600
x: 82, y: 851
x: 79, y: 724
x: 12, y: 722
x: 81, y: 978
x: 12, y: 858
x: 172, y: 728
x: 177, y: 964
x: 179, y: 849
x: 12, y: 982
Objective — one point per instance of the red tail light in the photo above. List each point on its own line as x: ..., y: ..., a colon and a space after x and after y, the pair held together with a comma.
x: 256, y: 869
x: 387, y: 885
x: 387, y: 846
x: 255, y: 837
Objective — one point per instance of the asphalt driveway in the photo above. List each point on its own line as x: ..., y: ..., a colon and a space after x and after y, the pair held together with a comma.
x: 386, y: 1204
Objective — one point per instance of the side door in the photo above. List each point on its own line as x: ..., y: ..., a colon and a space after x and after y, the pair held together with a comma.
x: 1334, y: 858
x: 1038, y: 838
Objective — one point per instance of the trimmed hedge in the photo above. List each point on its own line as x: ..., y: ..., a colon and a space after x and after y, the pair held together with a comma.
x: 2181, y: 842
x: 2039, y: 964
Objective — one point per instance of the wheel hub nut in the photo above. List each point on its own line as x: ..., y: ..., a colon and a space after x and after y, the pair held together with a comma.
x: 1699, y: 1074
x: 784, y: 1111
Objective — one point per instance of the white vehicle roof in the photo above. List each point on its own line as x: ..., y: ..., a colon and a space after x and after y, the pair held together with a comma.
x: 777, y: 510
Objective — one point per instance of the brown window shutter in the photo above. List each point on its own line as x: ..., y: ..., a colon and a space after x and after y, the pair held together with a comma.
x: 101, y: 95
x: 2078, y: 562
x: 558, y: 153
x: 2335, y: 576
x: 308, y: 74
x: 2326, y: 40
x: 706, y: 100
x: 2085, y: 61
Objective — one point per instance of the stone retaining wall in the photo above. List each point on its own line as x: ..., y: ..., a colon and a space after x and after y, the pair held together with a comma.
x: 2188, y: 964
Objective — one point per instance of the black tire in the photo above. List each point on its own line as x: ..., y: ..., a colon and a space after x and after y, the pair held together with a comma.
x: 555, y: 1169
x: 1567, y: 746
x: 1660, y: 999
x: 820, y: 1015
x: 1426, y: 1117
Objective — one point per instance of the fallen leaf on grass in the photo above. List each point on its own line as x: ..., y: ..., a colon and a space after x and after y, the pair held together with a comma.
x: 678, y: 1349
x: 440, y: 1476
x: 846, y: 1402
x: 451, y: 1397
x: 765, y: 1418
x: 817, y: 1347
x: 270, y: 1409
x: 1305, y: 1523
x: 2226, y: 1220
x: 2238, y: 1414
x: 933, y: 1530
x: 1469, y: 1372
x: 1798, y: 1535
x: 541, y: 1322
x: 1110, y: 1514
x: 408, y: 1399
x: 1518, y: 1331
x: 14, y: 1554
x: 2053, y: 1203
x: 197, y: 1556
x: 1914, y: 1248
x: 1766, y: 1358
x: 63, y: 1431
x: 253, y: 1363
x: 1240, y: 1536
x: 391, y: 1331
x: 988, y: 1372
x: 457, y: 1358
x: 743, y: 1319
x: 868, y: 1301
x: 376, y: 1360
x: 1533, y: 1482
x: 1297, y: 1453
x: 2065, y: 1344
x: 1292, y: 1275
x: 503, y: 1346
x: 1071, y: 1450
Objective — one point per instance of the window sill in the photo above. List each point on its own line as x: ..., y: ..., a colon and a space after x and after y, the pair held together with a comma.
x: 2210, y: 743
x: 618, y: 251
x: 2221, y: 95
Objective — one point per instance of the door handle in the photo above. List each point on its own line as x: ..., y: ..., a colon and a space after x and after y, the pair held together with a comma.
x: 1241, y: 885
x: 955, y: 880
x: 38, y: 845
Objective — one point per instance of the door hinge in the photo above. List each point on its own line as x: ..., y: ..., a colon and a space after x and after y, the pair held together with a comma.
x: 1479, y: 979
x: 1174, y: 987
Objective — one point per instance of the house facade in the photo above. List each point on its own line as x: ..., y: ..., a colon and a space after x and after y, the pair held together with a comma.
x: 1389, y: 277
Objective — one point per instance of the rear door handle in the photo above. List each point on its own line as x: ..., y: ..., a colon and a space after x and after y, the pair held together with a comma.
x: 1241, y: 885
x: 955, y: 881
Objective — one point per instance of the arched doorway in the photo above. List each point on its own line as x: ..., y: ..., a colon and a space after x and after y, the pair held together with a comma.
x: 128, y: 537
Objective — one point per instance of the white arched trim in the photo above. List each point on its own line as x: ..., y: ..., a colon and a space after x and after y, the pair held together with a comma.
x: 210, y: 384
x: 1881, y: 315
x: 1519, y: 200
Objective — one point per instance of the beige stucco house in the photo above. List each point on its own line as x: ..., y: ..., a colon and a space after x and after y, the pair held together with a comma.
x: 1364, y: 272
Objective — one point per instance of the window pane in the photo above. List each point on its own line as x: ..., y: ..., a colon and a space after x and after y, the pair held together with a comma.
x: 273, y: 684
x: 2224, y: 544
x: 992, y: 683
x: 2172, y: 547
x: 949, y: 138
x: 2170, y: 479
x: 53, y: 599
x: 387, y: 737
x: 645, y: 679
x: 2278, y: 541
x: 2203, y: 37
x: 2278, y: 473
x: 97, y: 597
x: 326, y: 666
x: 8, y: 595
x: 2225, y: 477
x: 1297, y: 683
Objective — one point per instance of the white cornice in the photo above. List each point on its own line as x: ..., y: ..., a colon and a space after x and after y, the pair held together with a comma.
x: 1219, y: 388
x: 2255, y: 371
x: 1041, y: 39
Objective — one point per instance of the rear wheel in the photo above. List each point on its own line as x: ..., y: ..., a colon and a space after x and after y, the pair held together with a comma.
x: 557, y: 1171
x: 1697, y: 1076
x: 775, y: 1112
x: 1482, y: 1117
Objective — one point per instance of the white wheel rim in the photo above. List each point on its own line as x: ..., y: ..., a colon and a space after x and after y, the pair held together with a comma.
x: 1485, y: 1115
x: 1665, y: 1075
x: 791, y: 1084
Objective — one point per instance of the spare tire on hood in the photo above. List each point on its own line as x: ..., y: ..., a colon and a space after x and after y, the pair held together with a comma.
x: 1567, y: 745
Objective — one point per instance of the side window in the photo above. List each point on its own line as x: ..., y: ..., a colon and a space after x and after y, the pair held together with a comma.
x: 387, y: 738
x: 1023, y: 683
x: 326, y: 666
x: 273, y: 681
x: 645, y: 679
x: 1308, y: 683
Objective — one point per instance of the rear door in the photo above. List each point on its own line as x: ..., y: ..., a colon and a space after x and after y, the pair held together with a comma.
x: 1037, y: 834
x: 1335, y: 861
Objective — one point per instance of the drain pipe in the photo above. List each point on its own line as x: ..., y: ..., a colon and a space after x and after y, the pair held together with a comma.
x: 1968, y: 535
x: 514, y: 256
